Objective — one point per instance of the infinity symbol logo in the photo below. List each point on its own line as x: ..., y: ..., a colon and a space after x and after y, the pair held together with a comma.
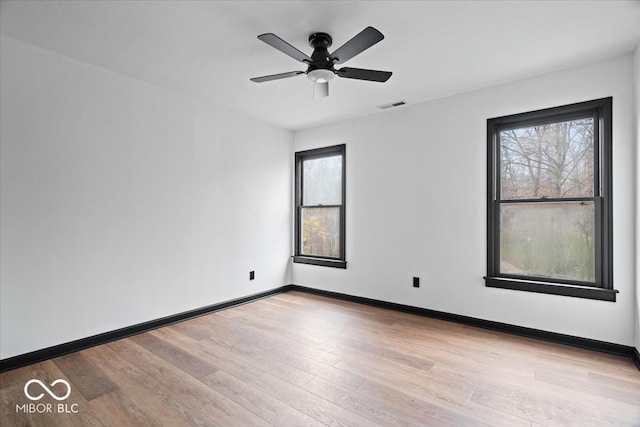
x: 52, y: 394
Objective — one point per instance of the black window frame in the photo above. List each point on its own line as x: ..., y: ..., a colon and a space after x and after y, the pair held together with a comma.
x: 602, y: 287
x: 299, y: 257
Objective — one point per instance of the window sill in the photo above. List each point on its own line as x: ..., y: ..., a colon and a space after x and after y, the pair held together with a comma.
x: 324, y: 262
x: 552, y: 288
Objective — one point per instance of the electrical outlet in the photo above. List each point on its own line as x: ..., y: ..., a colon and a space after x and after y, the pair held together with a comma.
x: 416, y: 282
x: 252, y: 275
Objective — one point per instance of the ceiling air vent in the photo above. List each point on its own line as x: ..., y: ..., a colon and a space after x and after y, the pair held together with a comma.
x: 392, y: 105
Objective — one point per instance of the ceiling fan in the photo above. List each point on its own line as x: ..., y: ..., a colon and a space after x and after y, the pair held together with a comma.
x: 320, y: 65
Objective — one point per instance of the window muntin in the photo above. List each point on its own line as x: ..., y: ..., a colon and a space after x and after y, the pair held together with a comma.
x: 320, y: 214
x: 549, y: 200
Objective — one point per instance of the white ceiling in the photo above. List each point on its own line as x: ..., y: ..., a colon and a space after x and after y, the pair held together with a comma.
x: 209, y: 49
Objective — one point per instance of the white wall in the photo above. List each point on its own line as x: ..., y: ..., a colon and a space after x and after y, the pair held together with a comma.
x: 122, y: 202
x: 637, y: 192
x: 416, y: 205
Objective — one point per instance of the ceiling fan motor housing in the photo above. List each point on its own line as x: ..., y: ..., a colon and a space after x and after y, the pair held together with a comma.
x: 320, y: 60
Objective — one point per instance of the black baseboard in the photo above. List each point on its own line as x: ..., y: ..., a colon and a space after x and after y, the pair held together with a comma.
x: 585, y: 343
x: 81, y: 344
x: 92, y: 341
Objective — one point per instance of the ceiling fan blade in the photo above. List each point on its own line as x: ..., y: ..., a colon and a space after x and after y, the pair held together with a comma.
x: 276, y: 76
x: 359, y: 43
x: 363, y: 74
x: 320, y: 89
x: 284, y: 47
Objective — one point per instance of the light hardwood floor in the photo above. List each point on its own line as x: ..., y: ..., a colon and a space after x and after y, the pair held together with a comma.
x: 297, y: 359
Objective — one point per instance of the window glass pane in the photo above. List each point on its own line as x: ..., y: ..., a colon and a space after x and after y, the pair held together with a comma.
x: 322, y: 181
x: 321, y: 232
x: 552, y: 160
x: 554, y: 240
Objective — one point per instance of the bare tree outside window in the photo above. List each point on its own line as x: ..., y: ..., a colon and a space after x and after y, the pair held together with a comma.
x: 553, y: 160
x: 321, y: 232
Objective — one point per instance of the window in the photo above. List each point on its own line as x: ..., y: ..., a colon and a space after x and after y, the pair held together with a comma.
x: 549, y: 201
x: 320, y: 201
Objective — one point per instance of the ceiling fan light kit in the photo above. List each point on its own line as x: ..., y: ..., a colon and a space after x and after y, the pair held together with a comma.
x: 320, y: 76
x: 321, y: 63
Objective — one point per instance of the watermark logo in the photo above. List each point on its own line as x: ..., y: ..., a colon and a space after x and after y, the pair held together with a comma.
x: 35, y: 385
x: 47, y: 389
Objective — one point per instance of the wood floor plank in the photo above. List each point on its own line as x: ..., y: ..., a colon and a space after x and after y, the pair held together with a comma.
x: 391, y: 355
x: 123, y: 410
x: 419, y: 384
x: 436, y: 410
x: 148, y: 392
x: 87, y: 378
x: 9, y: 414
x: 268, y: 339
x: 269, y: 363
x: 549, y: 408
x: 629, y: 384
x: 175, y: 355
x: 192, y: 393
x: 300, y: 359
x: 260, y: 402
x: 606, y: 364
x: 224, y: 330
x: 303, y: 363
x: 279, y: 327
x: 601, y: 392
x: 229, y: 358
x: 327, y: 413
x: 74, y: 411
x: 378, y: 410
x: 197, y: 328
